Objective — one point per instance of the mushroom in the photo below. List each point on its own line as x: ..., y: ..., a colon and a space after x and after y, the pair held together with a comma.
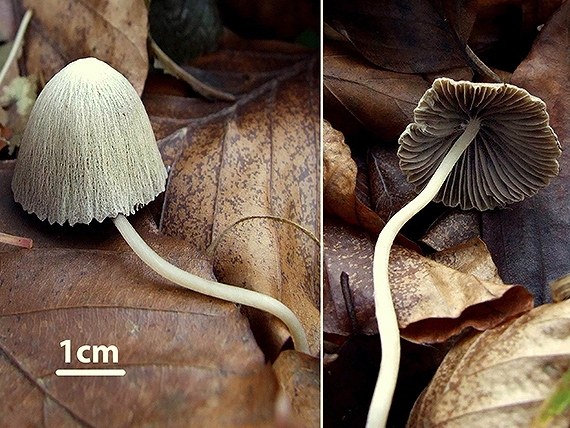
x: 473, y: 145
x: 89, y: 153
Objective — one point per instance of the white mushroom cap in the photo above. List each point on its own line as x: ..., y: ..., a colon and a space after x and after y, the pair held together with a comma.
x: 88, y: 151
x: 513, y: 155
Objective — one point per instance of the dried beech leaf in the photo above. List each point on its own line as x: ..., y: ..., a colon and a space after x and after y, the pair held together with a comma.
x: 339, y: 183
x: 406, y: 36
x: 111, y: 30
x: 530, y: 241
x: 240, y: 67
x: 234, y: 174
x: 347, y: 249
x: 85, y: 284
x: 299, y: 376
x: 433, y: 301
x: 382, y: 101
x: 470, y: 257
x: 170, y: 112
x: 237, y: 70
x: 453, y: 228
x: 500, y: 377
x: 389, y: 189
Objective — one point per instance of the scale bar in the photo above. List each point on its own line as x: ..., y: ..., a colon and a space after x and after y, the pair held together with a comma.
x: 90, y: 372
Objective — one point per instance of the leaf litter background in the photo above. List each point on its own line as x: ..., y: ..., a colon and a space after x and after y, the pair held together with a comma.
x: 236, y: 169
x: 453, y: 273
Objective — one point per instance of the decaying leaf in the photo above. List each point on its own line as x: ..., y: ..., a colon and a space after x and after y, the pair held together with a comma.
x: 530, y: 241
x: 110, y: 30
x: 389, y: 189
x: 237, y: 67
x: 233, y: 171
x: 299, y: 376
x: 406, y: 36
x: 188, y: 357
x: 500, y: 377
x: 453, y: 228
x: 383, y: 101
x: 339, y: 183
x: 434, y: 299
x: 434, y: 302
x: 347, y: 249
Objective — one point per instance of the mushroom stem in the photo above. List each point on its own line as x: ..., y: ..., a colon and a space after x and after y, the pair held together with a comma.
x: 385, y: 312
x: 211, y: 288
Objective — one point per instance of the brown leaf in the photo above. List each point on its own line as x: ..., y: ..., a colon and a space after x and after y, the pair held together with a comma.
x: 239, y: 67
x: 407, y: 36
x: 470, y: 257
x: 433, y: 301
x: 504, y: 30
x: 234, y: 174
x: 530, y: 241
x: 501, y: 376
x: 170, y: 112
x: 299, y: 376
x: 453, y: 228
x: 382, y: 101
x: 339, y: 183
x: 347, y: 249
x: 110, y: 30
x: 85, y: 284
x: 389, y: 189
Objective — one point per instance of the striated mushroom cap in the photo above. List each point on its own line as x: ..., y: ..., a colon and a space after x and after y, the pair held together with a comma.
x: 88, y: 151
x: 513, y: 155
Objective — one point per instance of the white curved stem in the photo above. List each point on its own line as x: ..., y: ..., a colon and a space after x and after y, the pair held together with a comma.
x: 385, y: 313
x: 211, y: 288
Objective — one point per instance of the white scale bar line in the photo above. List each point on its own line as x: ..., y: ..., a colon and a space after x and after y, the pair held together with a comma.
x: 90, y: 372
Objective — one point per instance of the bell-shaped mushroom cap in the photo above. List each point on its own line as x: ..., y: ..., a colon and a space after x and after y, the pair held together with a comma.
x: 88, y: 151
x: 513, y: 155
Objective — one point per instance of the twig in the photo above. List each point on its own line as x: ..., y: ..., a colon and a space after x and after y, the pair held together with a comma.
x: 172, y: 68
x: 212, y: 247
x: 480, y: 66
x: 349, y: 302
x: 16, y: 240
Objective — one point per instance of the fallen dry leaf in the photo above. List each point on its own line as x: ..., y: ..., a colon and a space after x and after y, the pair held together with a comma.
x: 347, y: 249
x: 110, y: 30
x: 453, y: 228
x: 416, y: 36
x: 530, y: 241
x: 279, y: 19
x: 504, y: 30
x: 238, y: 68
x: 84, y: 284
x: 232, y: 172
x: 339, y: 183
x: 434, y: 300
x: 500, y: 377
x: 382, y: 101
x: 299, y: 376
x: 389, y: 189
